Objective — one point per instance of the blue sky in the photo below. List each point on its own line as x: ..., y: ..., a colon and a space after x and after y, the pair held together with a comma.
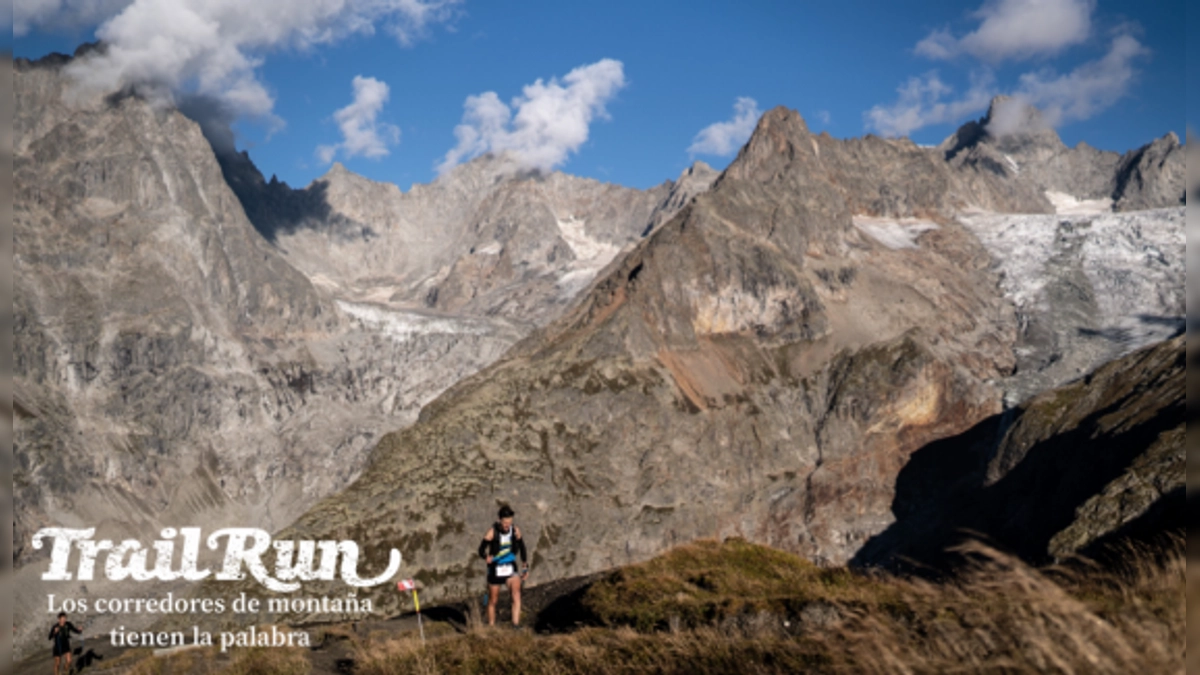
x: 1114, y: 71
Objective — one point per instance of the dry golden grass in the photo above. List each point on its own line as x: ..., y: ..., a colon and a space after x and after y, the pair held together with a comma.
x: 736, y: 607
x: 742, y: 608
x: 709, y: 582
x: 181, y: 662
x: 1193, y: 610
x: 124, y: 660
x: 208, y: 661
x: 268, y: 661
x: 591, y: 650
x: 1003, y: 616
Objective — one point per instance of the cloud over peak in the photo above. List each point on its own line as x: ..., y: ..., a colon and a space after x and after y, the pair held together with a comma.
x: 61, y: 14
x: 1088, y: 89
x: 1015, y: 29
x: 544, y: 125
x: 362, y: 133
x: 927, y: 100
x: 724, y: 138
x: 213, y: 47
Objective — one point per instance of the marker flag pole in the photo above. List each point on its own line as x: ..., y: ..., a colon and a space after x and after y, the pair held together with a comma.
x: 420, y: 623
x: 411, y: 586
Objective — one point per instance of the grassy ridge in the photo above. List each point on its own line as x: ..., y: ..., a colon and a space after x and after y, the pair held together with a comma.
x: 735, y: 607
x: 745, y: 608
x: 708, y: 583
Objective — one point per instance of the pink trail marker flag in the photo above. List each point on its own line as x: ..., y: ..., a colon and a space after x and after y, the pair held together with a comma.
x: 410, y: 585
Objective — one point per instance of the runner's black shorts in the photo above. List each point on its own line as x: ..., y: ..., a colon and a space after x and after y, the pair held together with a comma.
x: 494, y: 580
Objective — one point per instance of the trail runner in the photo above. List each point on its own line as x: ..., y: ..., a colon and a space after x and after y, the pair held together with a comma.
x: 500, y: 548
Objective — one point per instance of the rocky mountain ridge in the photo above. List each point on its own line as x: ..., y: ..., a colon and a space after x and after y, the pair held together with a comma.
x: 486, y: 239
x: 1036, y: 162
x: 762, y: 365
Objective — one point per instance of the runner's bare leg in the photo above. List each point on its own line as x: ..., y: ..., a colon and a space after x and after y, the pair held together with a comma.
x: 514, y: 587
x: 493, y: 598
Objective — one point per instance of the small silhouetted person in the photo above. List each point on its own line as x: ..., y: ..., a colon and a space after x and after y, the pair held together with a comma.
x: 60, y: 633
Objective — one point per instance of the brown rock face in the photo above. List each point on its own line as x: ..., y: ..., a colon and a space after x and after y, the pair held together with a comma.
x: 1094, y: 460
x: 140, y: 288
x: 757, y: 366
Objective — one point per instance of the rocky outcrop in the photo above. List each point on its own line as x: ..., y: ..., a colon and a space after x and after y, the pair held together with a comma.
x: 6, y: 286
x: 1151, y: 176
x: 695, y: 180
x: 1013, y: 143
x: 1092, y: 460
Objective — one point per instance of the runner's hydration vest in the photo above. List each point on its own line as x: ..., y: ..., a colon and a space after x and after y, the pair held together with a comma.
x: 506, y: 555
x: 504, y: 547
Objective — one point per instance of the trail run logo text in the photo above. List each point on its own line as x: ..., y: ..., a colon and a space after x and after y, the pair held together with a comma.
x: 295, y: 561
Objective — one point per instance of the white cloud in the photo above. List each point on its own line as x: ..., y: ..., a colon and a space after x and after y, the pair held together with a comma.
x: 724, y: 138
x: 60, y: 14
x: 1077, y: 95
x: 927, y: 100
x: 1016, y: 29
x: 1088, y: 89
x: 213, y: 47
x: 550, y: 123
x: 362, y: 133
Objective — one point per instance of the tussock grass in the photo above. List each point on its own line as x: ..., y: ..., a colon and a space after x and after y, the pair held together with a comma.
x: 709, y: 582
x: 593, y: 650
x: 998, y: 615
x: 144, y: 662
x: 268, y: 661
x: 208, y: 661
x: 1193, y: 604
x: 124, y: 660
x: 1004, y: 616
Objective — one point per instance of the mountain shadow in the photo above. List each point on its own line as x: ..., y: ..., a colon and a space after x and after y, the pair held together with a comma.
x: 275, y: 208
x: 1073, y: 470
